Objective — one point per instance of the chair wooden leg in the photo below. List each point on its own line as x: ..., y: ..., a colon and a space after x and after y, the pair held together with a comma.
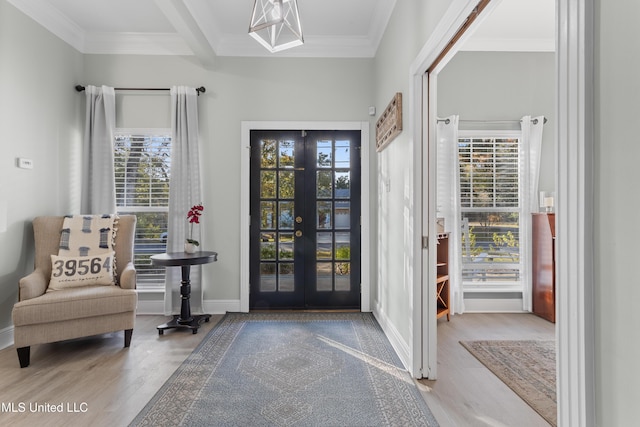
x: 127, y: 337
x: 24, y: 354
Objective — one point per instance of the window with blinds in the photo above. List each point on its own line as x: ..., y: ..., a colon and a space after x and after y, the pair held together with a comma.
x: 142, y: 160
x: 490, y: 209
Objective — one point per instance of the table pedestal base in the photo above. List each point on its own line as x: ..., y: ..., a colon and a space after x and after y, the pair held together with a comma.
x: 177, y: 323
x: 185, y: 320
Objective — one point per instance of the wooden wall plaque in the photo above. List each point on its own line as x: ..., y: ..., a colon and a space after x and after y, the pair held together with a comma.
x: 389, y: 125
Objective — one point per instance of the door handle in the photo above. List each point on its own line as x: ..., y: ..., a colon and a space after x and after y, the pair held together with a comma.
x: 298, y: 233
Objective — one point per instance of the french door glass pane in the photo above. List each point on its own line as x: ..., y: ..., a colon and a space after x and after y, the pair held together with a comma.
x: 324, y: 154
x: 343, y: 215
x: 285, y: 221
x: 268, y: 153
x: 267, y: 246
x: 324, y: 245
x: 267, y: 215
x: 268, y: 184
x: 285, y: 277
x: 286, y: 154
x: 343, y: 246
x: 267, y: 277
x: 343, y: 185
x: 343, y: 154
x: 324, y: 215
x: 324, y: 184
x: 286, y: 184
x: 285, y: 246
x: 343, y: 276
x: 324, y: 276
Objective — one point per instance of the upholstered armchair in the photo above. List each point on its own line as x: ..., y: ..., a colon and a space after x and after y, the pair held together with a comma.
x: 42, y: 316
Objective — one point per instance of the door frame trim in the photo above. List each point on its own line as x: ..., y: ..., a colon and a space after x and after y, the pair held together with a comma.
x: 245, y: 171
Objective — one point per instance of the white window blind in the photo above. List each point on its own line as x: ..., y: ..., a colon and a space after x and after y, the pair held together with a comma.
x: 142, y: 169
x: 490, y: 208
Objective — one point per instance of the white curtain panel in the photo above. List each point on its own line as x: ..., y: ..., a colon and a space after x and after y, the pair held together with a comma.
x: 98, y: 194
x: 530, y: 149
x: 184, y: 192
x: 448, y: 203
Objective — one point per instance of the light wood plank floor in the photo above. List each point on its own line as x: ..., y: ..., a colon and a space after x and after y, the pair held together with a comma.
x: 114, y: 382
x: 108, y: 385
x: 468, y: 394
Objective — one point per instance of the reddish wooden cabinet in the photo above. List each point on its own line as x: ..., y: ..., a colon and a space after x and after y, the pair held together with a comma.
x: 442, y: 282
x: 544, y: 265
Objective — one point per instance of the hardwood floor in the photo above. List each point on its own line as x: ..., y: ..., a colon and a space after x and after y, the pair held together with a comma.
x: 468, y: 394
x: 115, y: 383
x: 100, y: 383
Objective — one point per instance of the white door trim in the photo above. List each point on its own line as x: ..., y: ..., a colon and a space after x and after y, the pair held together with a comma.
x: 422, y: 96
x: 574, y: 174
x: 575, y: 317
x: 245, y: 154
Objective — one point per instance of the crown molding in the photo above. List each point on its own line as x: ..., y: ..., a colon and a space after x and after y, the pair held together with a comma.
x: 101, y: 43
x: 53, y: 20
x: 88, y: 42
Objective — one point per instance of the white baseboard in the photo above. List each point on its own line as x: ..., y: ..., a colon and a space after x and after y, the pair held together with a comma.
x: 399, y: 345
x: 221, y: 306
x: 6, y: 337
x: 498, y: 305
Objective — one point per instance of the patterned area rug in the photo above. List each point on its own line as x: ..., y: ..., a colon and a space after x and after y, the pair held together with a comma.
x: 527, y: 367
x: 297, y: 369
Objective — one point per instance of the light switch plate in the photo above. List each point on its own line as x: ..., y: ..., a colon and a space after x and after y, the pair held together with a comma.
x: 25, y: 163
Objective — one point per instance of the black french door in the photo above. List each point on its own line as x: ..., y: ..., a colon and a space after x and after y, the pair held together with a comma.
x: 305, y: 220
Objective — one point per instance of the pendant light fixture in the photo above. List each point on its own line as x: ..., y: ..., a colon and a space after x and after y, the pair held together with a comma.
x: 275, y: 24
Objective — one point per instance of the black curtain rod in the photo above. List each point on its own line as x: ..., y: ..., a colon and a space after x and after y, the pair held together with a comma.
x: 200, y: 89
x: 534, y: 121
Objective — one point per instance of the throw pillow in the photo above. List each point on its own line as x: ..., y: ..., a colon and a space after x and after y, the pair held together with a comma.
x: 71, y: 272
x: 84, y: 235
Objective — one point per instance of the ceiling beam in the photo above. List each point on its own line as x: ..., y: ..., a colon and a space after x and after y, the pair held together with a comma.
x: 178, y: 14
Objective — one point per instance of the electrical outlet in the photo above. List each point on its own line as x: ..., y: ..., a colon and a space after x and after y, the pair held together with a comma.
x: 25, y: 163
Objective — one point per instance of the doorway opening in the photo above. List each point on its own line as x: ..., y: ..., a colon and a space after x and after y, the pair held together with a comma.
x: 454, y: 93
x: 575, y: 200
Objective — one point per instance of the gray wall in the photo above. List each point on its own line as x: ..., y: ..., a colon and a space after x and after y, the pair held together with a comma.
x: 41, y: 121
x: 407, y: 32
x: 617, y: 229
x: 238, y: 89
x: 503, y: 86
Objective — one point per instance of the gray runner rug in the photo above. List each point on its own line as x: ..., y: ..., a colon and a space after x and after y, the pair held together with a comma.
x: 290, y: 369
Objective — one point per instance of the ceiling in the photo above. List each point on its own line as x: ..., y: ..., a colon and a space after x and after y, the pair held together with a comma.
x: 209, y: 28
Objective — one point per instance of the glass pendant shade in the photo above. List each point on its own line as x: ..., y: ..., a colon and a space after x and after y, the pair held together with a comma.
x: 275, y: 24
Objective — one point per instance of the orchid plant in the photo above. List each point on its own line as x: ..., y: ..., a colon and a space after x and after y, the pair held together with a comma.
x: 193, y: 216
